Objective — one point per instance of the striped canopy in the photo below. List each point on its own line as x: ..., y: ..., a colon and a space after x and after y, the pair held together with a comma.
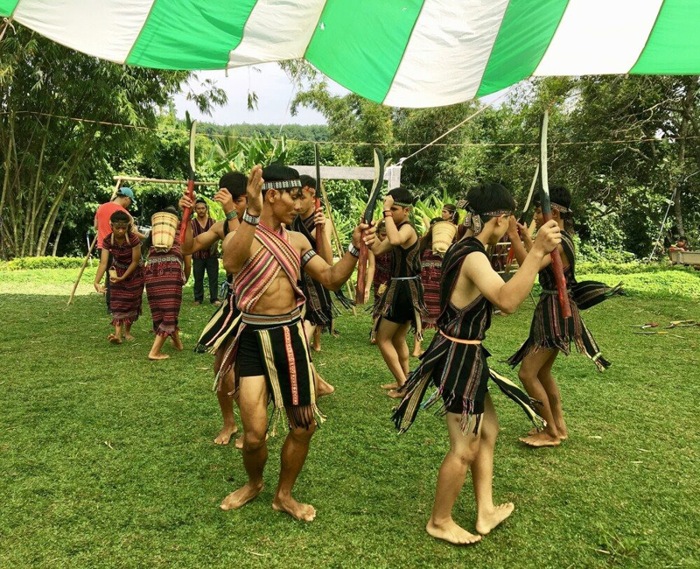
x: 405, y: 53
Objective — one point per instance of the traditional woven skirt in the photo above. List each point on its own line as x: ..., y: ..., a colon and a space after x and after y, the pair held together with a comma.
x: 276, y: 347
x: 550, y: 330
x: 402, y: 301
x: 319, y: 308
x: 126, y: 296
x: 430, y: 277
x: 460, y: 375
x: 164, y: 280
x: 222, y: 326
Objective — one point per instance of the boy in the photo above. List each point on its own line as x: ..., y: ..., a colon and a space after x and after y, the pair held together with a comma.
x: 456, y: 364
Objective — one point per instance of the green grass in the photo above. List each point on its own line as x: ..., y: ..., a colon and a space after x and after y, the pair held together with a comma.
x: 107, y: 459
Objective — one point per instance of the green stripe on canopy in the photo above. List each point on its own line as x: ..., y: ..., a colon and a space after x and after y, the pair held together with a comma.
x: 360, y: 44
x: 674, y: 43
x: 178, y: 35
x: 7, y: 7
x: 525, y: 33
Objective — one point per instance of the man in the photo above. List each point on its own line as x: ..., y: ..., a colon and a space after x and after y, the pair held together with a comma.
x: 401, y: 304
x: 271, y: 351
x: 204, y: 260
x: 223, y: 325
x: 121, y: 202
x: 319, y: 306
x: 456, y: 361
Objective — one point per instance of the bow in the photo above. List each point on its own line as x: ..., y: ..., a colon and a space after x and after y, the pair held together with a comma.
x: 190, y: 178
x: 521, y: 218
x: 367, y: 217
x: 319, y: 232
x: 557, y: 266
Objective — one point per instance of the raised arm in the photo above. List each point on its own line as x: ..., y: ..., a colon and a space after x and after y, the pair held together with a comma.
x: 333, y: 277
x: 237, y: 249
x: 509, y: 296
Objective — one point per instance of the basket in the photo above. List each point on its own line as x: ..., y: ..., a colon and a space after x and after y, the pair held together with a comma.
x: 163, y: 230
x: 443, y: 234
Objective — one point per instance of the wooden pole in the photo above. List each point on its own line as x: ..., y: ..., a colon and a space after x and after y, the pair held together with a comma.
x: 92, y: 246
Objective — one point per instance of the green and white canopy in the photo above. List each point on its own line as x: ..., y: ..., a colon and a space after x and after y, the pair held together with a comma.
x: 406, y: 53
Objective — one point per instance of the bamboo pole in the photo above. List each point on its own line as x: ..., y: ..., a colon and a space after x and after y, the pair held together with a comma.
x: 92, y: 246
x: 159, y: 181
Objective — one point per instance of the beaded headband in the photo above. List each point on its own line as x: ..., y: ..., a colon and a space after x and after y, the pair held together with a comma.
x: 282, y: 185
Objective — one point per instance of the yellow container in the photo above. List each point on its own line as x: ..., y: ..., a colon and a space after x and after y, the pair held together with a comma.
x: 443, y: 235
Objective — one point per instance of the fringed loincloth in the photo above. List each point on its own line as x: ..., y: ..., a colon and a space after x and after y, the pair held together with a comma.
x: 222, y: 326
x: 285, y: 361
x: 460, y: 373
x: 402, y: 301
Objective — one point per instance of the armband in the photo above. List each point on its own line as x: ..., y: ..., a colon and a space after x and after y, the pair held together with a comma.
x: 354, y: 251
x: 251, y: 219
x: 306, y: 257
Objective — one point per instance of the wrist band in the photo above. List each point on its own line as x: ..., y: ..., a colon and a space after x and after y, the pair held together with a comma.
x: 354, y: 251
x: 231, y: 215
x: 251, y: 219
x: 387, y: 213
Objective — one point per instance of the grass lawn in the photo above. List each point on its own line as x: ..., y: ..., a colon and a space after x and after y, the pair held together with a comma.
x: 107, y: 459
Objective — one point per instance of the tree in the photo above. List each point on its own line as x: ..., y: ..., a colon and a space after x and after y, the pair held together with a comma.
x: 65, y: 118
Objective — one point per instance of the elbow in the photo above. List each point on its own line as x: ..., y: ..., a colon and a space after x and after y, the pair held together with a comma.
x: 229, y: 266
x: 395, y: 241
x: 508, y: 309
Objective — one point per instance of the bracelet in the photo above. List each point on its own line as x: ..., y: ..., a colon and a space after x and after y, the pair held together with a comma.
x: 387, y: 213
x: 251, y: 219
x: 354, y: 251
x: 231, y: 215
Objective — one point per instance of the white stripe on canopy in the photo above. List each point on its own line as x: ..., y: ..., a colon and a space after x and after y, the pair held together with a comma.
x: 276, y: 31
x: 599, y: 37
x: 103, y: 28
x: 447, y: 53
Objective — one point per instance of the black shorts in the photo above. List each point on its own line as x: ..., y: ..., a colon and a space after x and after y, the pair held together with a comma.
x: 248, y: 357
x: 402, y: 309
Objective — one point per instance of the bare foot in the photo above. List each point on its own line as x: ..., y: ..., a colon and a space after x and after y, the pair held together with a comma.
x: 485, y: 522
x: 563, y: 433
x: 224, y: 436
x: 158, y: 356
x: 325, y: 388
x: 299, y: 511
x: 541, y: 439
x: 390, y: 386
x: 417, y: 354
x: 129, y: 337
x: 394, y: 394
x: 241, y: 497
x: 451, y: 533
x: 177, y: 343
x: 239, y: 443
x: 114, y: 339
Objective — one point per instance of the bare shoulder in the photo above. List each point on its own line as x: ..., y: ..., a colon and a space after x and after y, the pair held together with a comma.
x: 299, y: 241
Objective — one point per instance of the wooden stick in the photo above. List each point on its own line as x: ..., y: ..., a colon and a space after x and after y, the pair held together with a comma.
x: 160, y: 181
x: 92, y: 246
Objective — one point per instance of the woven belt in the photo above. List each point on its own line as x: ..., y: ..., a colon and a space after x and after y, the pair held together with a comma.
x: 461, y: 341
x: 271, y: 320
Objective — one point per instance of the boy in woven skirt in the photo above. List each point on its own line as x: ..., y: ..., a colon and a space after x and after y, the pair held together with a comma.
x: 401, y: 305
x: 550, y: 332
x: 222, y: 327
x: 123, y: 247
x: 455, y: 361
x: 270, y: 350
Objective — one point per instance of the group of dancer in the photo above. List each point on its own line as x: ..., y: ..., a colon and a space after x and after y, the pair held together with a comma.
x: 279, y: 264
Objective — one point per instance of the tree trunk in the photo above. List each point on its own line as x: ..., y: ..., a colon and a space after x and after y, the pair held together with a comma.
x: 58, y: 236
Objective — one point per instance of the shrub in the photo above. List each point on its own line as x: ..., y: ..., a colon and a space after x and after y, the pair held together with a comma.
x: 42, y: 263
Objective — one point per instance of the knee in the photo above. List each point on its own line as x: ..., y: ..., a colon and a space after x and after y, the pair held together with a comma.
x: 302, y: 433
x: 253, y: 440
x: 466, y: 454
x: 525, y: 376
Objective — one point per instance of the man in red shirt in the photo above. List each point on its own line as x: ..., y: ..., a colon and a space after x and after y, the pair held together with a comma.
x: 124, y: 199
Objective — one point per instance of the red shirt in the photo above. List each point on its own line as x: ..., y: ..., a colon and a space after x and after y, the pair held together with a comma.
x: 102, y: 215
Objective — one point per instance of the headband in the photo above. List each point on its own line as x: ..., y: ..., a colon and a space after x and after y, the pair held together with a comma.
x: 282, y: 185
x: 560, y: 208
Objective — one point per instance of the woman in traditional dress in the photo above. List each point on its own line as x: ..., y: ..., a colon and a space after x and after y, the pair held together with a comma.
x: 125, y: 275
x: 164, y: 281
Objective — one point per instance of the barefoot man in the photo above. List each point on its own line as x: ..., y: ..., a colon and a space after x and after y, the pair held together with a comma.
x: 223, y: 325
x: 271, y: 350
x: 456, y: 363
x: 318, y: 312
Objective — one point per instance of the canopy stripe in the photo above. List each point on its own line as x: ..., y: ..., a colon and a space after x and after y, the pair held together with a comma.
x: 413, y: 53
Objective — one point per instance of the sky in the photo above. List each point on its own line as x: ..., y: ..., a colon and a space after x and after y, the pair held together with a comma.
x: 273, y: 88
